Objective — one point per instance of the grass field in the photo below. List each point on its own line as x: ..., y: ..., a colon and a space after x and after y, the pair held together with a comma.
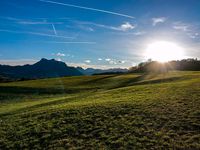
x: 132, y: 111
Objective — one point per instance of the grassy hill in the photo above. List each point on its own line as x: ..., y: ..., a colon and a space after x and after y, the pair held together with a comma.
x: 141, y: 111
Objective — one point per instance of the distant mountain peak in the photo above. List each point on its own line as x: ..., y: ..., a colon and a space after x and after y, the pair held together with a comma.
x: 43, y: 59
x: 44, y: 68
x: 48, y: 60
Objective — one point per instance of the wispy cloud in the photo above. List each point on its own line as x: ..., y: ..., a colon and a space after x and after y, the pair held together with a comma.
x: 69, y: 42
x: 191, y: 30
x: 126, y: 26
x: 114, y: 61
x: 107, y: 59
x: 111, y: 61
x: 123, y: 27
x: 58, y: 59
x: 25, y: 22
x: 86, y: 28
x: 16, y: 62
x: 35, y: 33
x: 88, y: 61
x: 69, y: 55
x: 87, y: 65
x: 35, y: 21
x: 88, y: 8
x: 121, y: 61
x: 156, y: 21
x: 136, y: 33
x: 10, y: 18
x: 193, y: 35
x: 60, y: 54
x: 181, y: 26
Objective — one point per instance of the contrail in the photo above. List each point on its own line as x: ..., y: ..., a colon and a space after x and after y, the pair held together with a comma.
x: 35, y: 33
x: 88, y: 8
x: 71, y: 42
x: 54, y: 29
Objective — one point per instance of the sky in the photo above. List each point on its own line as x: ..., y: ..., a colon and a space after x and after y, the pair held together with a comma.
x: 95, y: 33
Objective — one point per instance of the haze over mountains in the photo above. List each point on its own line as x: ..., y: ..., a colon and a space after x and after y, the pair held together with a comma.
x: 91, y: 71
x: 49, y: 68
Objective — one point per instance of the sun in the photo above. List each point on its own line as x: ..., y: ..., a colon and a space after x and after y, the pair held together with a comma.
x: 164, y: 51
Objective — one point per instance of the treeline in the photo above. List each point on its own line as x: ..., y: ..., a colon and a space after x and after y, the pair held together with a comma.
x: 154, y: 66
x: 5, y: 79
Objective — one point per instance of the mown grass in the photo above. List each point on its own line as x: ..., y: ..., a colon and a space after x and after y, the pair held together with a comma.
x: 132, y: 111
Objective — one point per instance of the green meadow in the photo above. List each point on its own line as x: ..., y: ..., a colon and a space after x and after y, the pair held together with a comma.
x: 128, y: 111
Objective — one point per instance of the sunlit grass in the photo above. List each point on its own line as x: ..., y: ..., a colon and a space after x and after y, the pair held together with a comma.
x: 112, y: 111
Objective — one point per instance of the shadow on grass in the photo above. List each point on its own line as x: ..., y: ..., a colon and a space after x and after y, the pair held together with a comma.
x: 139, y: 80
x: 158, y: 81
x: 30, y: 90
x: 29, y: 108
x: 100, y: 78
x: 38, y: 91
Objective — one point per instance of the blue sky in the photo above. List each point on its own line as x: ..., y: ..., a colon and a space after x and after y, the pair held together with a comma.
x: 95, y: 33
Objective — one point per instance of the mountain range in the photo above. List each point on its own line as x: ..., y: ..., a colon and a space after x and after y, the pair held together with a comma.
x: 49, y: 68
x: 91, y: 71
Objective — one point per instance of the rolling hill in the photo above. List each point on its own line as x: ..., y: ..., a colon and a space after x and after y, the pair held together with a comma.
x: 129, y: 111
